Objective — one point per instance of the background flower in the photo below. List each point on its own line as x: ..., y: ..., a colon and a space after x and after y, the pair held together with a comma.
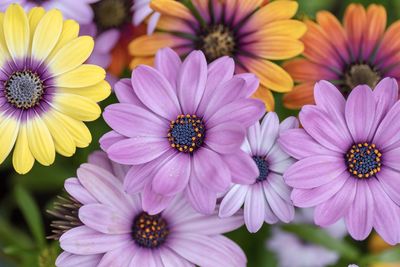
x: 253, y: 34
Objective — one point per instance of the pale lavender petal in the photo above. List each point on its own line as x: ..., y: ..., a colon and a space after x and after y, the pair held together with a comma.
x: 155, y: 92
x: 390, y: 182
x: 100, y: 159
x: 360, y: 216
x: 270, y: 216
x: 337, y: 206
x: 331, y: 136
x: 105, y: 219
x: 136, y: 177
x: 386, y: 217
x: 170, y: 258
x: 269, y: 132
x: 236, y: 253
x: 305, y: 198
x: 66, y: 259
x: 360, y: 109
x: 201, y: 198
x: 281, y: 207
x: 152, y: 202
x: 387, y: 133
x: 288, y: 123
x: 167, y: 61
x: 330, y: 99
x: 106, y: 41
x: 298, y: 144
x: 143, y: 257
x: 192, y: 81
x: 133, y: 121
x: 77, y: 191
x: 120, y: 257
x: 225, y: 138
x: 124, y: 91
x: 243, y: 168
x: 233, y: 200
x: 85, y: 241
x: 152, y: 22
x: 314, y: 171
x: 252, y: 83
x: 219, y: 71
x: 138, y: 150
x: 253, y: 138
x: 109, y: 139
x: 276, y: 182
x: 173, y: 176
x: 386, y: 93
x: 254, y: 208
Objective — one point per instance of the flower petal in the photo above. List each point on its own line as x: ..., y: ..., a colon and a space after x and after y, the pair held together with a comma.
x: 23, y: 159
x: 233, y: 200
x: 167, y: 62
x: 243, y: 168
x: 254, y: 208
x: 201, y: 198
x: 40, y: 141
x: 281, y: 208
x: 16, y: 31
x: 225, y: 138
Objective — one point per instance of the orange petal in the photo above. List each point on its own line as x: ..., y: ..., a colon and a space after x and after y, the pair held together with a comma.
x: 276, y: 47
x: 169, y: 23
x: 376, y: 24
x: 266, y: 96
x: 302, y: 94
x: 332, y: 27
x: 355, y: 23
x: 172, y: 8
x: 136, y: 61
x: 390, y: 42
x: 148, y: 45
x: 271, y: 75
x: 303, y: 70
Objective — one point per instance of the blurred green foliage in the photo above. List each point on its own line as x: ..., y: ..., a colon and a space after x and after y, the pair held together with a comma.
x: 24, y: 199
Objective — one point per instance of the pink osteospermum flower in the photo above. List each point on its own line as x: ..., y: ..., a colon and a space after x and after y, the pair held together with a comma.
x: 69, y: 206
x: 181, y: 127
x: 348, y: 157
x: 116, y: 227
x: 268, y: 197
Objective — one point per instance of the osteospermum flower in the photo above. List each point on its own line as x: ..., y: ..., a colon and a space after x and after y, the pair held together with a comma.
x: 114, y: 224
x: 359, y: 52
x: 181, y: 126
x: 268, y: 197
x: 348, y: 157
x: 248, y: 31
x: 46, y: 92
x: 76, y: 10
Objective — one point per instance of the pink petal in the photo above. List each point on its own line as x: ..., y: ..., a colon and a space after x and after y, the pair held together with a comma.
x: 170, y: 258
x: 225, y: 138
x: 124, y: 91
x: 281, y: 208
x: 168, y: 63
x: 109, y: 139
x: 243, y: 168
x: 143, y: 257
x: 201, y: 198
x: 66, y: 259
x: 390, y: 182
x: 233, y: 200
x: 77, y: 191
x: 387, y: 133
x: 152, y: 202
x: 119, y: 257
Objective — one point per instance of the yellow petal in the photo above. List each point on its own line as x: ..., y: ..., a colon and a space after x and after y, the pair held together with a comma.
x: 46, y: 34
x: 136, y: 61
x: 171, y: 8
x: 266, y: 96
x: 34, y: 16
x: 271, y: 75
x: 4, y: 54
x: 63, y: 141
x: 23, y: 159
x: 77, y: 107
x: 70, y: 31
x: 9, y: 127
x: 291, y: 28
x: 83, y: 76
x: 71, y: 55
x: 277, y: 47
x: 40, y: 141
x: 16, y: 31
x: 77, y: 129
x: 97, y: 92
x: 148, y: 45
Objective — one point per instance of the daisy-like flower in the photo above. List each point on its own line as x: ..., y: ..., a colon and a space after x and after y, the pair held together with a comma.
x: 359, y: 52
x: 268, y: 197
x: 181, y: 126
x: 348, y: 157
x: 117, y: 231
x: 76, y: 10
x: 252, y: 33
x: 46, y: 92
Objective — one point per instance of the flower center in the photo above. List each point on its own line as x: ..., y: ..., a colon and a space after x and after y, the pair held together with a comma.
x: 217, y: 41
x: 38, y: 2
x: 149, y: 231
x: 111, y: 13
x: 186, y: 133
x: 363, y: 160
x: 24, y: 89
x: 262, y: 165
x: 361, y: 74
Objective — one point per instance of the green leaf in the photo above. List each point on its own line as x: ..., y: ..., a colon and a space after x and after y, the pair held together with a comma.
x: 31, y: 213
x: 13, y: 237
x: 320, y: 237
x: 391, y: 255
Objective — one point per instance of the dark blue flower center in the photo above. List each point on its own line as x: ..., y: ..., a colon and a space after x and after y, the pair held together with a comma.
x: 262, y: 165
x: 363, y: 160
x: 24, y: 89
x: 149, y: 231
x: 186, y: 133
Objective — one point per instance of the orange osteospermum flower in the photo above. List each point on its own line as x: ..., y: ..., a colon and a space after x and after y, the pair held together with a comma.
x: 358, y: 52
x: 252, y: 32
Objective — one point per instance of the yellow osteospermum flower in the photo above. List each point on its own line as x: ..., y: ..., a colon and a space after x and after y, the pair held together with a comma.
x: 254, y: 34
x: 46, y: 91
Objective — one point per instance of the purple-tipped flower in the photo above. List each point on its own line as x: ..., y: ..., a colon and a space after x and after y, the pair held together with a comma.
x: 117, y: 230
x: 268, y: 197
x: 181, y: 126
x: 348, y: 156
